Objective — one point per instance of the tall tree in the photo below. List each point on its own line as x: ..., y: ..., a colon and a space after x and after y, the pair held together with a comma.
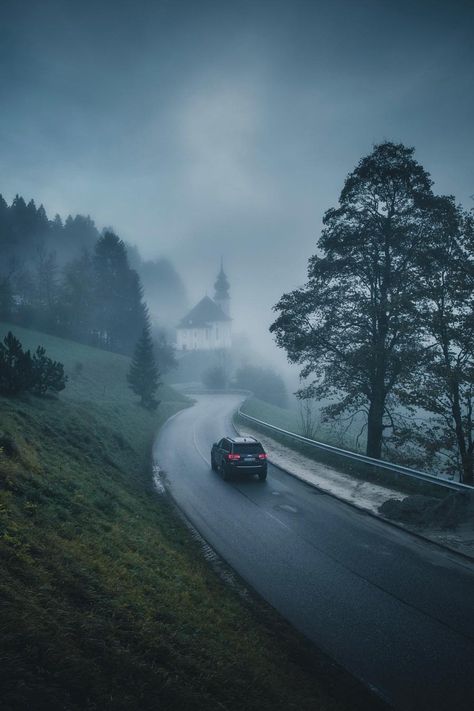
x: 354, y: 325
x: 6, y: 298
x: 77, y: 303
x: 164, y: 352
x: 120, y: 311
x: 46, y: 278
x: 143, y: 376
x: 444, y: 382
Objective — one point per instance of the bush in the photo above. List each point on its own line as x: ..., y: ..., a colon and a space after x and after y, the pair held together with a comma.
x: 215, y: 378
x: 21, y: 372
x: 264, y: 383
x: 48, y: 374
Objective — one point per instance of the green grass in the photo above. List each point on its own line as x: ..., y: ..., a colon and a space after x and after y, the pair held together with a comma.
x: 288, y: 419
x: 106, y: 601
x: 279, y: 416
x: 94, y: 375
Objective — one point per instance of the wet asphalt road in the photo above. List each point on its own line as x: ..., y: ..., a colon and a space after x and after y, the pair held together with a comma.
x: 395, y: 611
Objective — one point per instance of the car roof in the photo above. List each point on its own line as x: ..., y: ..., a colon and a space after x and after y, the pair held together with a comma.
x: 242, y: 440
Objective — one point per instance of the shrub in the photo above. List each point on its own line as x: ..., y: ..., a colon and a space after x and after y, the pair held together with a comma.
x: 264, y: 383
x: 215, y: 378
x: 21, y: 372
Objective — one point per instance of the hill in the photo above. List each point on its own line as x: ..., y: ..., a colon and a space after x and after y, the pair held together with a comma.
x: 106, y: 601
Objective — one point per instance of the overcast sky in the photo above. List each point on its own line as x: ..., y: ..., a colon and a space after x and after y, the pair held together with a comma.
x: 206, y: 128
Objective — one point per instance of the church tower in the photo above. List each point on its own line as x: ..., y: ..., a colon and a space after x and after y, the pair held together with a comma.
x: 221, y: 296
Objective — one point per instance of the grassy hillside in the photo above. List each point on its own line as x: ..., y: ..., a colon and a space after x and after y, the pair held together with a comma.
x: 94, y: 375
x: 279, y: 416
x: 288, y: 419
x: 106, y: 602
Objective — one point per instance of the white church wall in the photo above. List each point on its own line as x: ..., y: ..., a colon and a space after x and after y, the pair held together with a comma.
x: 216, y: 335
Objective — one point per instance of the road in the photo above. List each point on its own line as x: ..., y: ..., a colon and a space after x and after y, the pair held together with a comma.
x: 395, y: 611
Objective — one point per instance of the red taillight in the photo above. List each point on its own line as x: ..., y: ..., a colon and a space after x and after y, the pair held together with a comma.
x: 230, y: 457
x: 262, y: 455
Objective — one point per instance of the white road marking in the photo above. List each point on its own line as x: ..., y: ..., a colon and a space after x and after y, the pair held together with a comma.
x: 198, y: 450
x: 275, y: 518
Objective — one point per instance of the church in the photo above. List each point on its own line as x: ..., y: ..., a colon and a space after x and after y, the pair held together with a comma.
x: 208, y: 325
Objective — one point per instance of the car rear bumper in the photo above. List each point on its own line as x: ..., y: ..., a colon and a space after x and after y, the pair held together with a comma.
x: 249, y: 467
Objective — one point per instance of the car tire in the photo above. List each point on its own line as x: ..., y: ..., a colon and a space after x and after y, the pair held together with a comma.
x: 262, y: 476
x: 224, y: 472
x: 213, y: 464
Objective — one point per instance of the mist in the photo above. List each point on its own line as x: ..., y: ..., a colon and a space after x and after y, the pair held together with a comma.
x: 237, y: 355
x: 201, y: 131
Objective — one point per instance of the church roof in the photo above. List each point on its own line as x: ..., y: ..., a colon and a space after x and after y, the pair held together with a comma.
x: 204, y: 313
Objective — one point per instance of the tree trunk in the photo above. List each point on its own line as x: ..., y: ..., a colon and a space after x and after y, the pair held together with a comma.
x: 375, y: 427
x: 466, y: 473
x: 467, y: 469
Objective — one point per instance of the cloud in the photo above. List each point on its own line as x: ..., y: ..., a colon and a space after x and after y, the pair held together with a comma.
x: 218, y: 132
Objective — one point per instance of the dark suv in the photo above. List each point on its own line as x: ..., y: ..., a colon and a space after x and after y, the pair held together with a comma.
x: 239, y: 454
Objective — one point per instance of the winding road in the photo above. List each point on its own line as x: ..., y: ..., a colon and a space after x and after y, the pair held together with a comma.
x: 395, y: 611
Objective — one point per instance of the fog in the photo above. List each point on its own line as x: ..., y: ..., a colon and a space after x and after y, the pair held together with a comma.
x: 201, y: 130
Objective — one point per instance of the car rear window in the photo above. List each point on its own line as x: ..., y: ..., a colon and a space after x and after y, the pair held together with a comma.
x: 250, y: 448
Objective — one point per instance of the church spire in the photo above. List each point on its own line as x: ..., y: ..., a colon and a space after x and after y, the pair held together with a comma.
x: 221, y: 286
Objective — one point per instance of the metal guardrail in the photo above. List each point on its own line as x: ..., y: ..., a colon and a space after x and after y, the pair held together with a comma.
x: 354, y: 456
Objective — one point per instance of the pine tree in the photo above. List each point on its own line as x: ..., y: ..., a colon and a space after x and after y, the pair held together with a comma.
x: 16, y: 367
x: 48, y: 374
x: 143, y: 376
x: 20, y: 372
x: 121, y: 312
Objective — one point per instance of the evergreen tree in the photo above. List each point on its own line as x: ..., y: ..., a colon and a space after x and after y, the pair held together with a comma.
x: 4, y: 226
x: 46, y: 279
x: 16, y: 367
x: 77, y: 234
x: 20, y: 372
x: 143, y: 376
x: 48, y: 374
x: 164, y: 353
x: 120, y: 311
x: 77, y: 299
x: 6, y: 298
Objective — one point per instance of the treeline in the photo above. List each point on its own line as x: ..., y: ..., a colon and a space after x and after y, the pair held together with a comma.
x: 70, y: 280
x: 384, y: 327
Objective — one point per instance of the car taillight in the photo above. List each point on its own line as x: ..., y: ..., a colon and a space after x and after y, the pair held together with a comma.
x: 262, y: 455
x: 230, y: 457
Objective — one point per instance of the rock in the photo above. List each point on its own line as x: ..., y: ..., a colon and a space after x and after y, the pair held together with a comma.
x: 454, y: 509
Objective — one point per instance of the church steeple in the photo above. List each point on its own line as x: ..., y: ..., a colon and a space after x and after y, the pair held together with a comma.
x: 221, y: 286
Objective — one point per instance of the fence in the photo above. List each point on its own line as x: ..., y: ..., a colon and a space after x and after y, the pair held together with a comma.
x: 356, y: 457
